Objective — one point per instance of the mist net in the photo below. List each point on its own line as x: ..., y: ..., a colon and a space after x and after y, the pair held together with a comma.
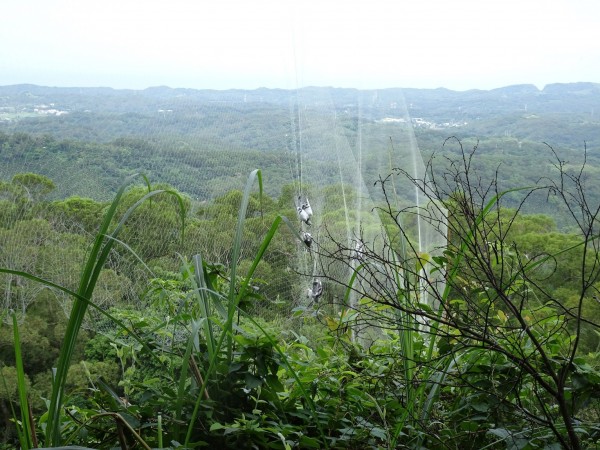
x: 342, y: 166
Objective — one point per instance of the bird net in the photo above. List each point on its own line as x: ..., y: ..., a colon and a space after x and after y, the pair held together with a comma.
x: 340, y: 164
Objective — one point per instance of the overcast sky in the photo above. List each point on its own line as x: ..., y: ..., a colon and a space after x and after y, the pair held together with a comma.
x: 221, y: 44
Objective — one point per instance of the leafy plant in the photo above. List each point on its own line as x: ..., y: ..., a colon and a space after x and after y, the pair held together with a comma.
x: 81, y: 299
x: 479, y: 331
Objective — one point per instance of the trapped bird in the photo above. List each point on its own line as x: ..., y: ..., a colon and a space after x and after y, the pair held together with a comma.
x: 316, y: 291
x: 358, y: 253
x: 307, y: 239
x: 304, y: 217
x: 306, y: 207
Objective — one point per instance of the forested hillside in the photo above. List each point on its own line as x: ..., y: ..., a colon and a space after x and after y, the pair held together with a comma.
x: 200, y: 141
x: 159, y: 292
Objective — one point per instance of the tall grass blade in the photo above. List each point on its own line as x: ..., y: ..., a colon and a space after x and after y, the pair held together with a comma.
x: 237, y: 244
x: 159, y: 430
x: 203, y: 295
x: 94, y: 265
x: 227, y: 328
x: 228, y: 332
x: 26, y: 431
x: 85, y: 289
x: 181, y: 391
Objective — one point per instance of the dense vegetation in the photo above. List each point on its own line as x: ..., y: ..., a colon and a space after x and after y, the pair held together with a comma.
x: 156, y: 377
x: 179, y: 318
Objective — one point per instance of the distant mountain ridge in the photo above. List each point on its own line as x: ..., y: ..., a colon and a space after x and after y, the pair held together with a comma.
x: 559, y: 97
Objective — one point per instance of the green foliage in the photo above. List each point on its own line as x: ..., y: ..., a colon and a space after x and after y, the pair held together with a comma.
x: 9, y: 384
x: 195, y: 355
x: 78, y: 214
x: 506, y: 364
x: 35, y: 186
x: 39, y: 341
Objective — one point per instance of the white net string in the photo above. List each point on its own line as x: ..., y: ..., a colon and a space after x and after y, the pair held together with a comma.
x: 324, y: 145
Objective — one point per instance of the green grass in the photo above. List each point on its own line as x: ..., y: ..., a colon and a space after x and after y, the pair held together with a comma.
x: 25, y: 430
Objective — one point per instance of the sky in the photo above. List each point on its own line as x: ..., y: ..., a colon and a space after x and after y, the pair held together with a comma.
x: 247, y: 44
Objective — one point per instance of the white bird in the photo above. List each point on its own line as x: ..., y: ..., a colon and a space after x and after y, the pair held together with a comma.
x: 316, y: 291
x: 304, y: 217
x: 307, y: 239
x: 359, y: 251
x: 306, y: 207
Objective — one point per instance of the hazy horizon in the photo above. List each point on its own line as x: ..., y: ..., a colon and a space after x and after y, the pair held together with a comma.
x: 539, y: 88
x: 281, y: 44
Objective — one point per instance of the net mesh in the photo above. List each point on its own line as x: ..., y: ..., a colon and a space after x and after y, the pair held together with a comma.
x: 326, y: 148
